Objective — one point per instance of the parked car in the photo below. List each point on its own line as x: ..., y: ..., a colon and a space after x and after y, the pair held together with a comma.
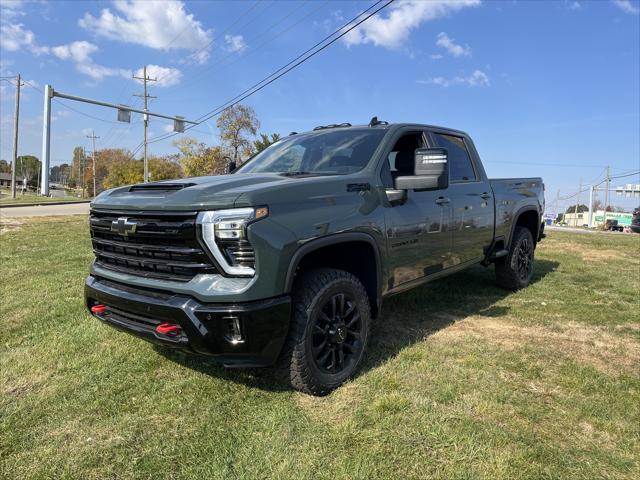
x: 635, y: 221
x: 288, y: 259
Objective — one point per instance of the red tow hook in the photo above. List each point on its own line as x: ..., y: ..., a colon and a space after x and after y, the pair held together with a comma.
x: 98, y: 308
x: 168, y: 329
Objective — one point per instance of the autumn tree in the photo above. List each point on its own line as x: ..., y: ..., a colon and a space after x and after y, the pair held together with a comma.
x: 105, y: 160
x: 164, y: 168
x: 265, y: 141
x: 199, y: 160
x: 236, y: 124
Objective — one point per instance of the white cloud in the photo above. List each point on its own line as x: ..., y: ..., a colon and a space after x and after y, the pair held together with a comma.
x: 98, y: 72
x: 393, y: 29
x: 450, y: 45
x: 235, y: 43
x: 436, y: 56
x: 165, y: 76
x: 76, y: 51
x: 13, y: 37
x: 575, y: 6
x: 163, y: 25
x: 627, y: 6
x: 167, y: 128
x: 10, y: 9
x: 477, y: 79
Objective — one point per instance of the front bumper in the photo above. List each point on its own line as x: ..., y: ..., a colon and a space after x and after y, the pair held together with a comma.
x: 204, y: 327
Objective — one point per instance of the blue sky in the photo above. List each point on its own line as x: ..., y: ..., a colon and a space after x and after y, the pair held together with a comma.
x: 545, y: 88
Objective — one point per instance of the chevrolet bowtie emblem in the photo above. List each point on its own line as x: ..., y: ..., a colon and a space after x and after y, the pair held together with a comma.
x: 123, y: 226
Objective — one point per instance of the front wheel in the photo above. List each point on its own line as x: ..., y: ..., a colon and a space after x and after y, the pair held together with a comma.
x: 329, y: 330
x: 515, y: 271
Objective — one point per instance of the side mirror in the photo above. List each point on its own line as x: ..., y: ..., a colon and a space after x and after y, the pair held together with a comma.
x: 431, y: 171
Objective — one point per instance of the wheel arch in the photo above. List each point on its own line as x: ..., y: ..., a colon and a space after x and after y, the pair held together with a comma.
x: 528, y: 217
x: 333, y: 249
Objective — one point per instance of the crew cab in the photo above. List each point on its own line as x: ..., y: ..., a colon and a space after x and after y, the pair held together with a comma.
x: 287, y: 260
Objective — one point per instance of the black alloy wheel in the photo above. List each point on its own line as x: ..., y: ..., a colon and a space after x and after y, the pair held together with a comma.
x: 525, y: 259
x: 336, y: 334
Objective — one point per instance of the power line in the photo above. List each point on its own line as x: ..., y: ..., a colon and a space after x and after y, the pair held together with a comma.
x: 254, y: 50
x: 217, y: 37
x: 300, y: 59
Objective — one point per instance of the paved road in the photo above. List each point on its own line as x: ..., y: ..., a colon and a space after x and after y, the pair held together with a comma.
x: 45, y: 210
x: 579, y: 230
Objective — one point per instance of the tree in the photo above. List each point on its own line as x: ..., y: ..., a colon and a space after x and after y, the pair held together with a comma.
x: 198, y: 160
x: 5, y: 167
x: 164, y: 168
x: 107, y: 159
x: 235, y: 124
x: 581, y: 209
x: 264, y: 141
x: 60, y: 173
x: 28, y: 167
x: 78, y: 164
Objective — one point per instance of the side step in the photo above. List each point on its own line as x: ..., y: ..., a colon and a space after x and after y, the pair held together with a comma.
x: 494, y: 256
x: 499, y: 254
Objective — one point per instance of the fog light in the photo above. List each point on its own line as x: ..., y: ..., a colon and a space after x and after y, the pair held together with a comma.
x: 234, y: 330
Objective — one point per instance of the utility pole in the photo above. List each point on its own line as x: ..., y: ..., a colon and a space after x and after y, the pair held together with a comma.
x: 83, y: 161
x: 15, y: 138
x: 93, y: 137
x: 145, y: 96
x: 575, y: 213
x: 606, y: 194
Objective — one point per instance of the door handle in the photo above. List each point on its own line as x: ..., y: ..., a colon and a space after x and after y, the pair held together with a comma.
x: 485, y: 196
x: 442, y: 201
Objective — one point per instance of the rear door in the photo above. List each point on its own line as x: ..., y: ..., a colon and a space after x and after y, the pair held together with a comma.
x: 471, y: 198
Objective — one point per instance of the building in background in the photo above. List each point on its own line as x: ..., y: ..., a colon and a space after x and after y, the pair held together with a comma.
x: 5, y: 180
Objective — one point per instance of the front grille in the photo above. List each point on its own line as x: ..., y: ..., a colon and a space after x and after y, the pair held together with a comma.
x: 160, y: 245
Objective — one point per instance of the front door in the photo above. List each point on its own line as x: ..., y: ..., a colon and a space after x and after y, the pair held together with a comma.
x: 418, y: 230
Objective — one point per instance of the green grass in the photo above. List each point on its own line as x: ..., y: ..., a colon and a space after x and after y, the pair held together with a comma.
x: 461, y: 380
x: 31, y: 198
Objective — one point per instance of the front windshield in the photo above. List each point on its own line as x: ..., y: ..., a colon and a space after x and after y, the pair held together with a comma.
x: 331, y: 152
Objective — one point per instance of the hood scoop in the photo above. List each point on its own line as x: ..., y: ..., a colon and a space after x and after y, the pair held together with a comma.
x: 159, y: 187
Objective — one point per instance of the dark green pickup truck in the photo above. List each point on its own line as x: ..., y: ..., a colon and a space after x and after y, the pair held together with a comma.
x: 286, y: 261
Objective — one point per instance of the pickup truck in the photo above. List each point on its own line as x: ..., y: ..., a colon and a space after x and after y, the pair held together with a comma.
x: 286, y: 261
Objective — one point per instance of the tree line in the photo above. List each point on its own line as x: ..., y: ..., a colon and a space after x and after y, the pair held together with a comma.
x: 238, y: 141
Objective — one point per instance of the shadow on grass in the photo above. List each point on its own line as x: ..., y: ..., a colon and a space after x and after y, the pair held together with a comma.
x: 406, y: 318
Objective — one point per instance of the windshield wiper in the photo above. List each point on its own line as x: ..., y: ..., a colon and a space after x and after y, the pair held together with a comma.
x: 295, y: 173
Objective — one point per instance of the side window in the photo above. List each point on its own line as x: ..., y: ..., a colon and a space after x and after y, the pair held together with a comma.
x: 460, y: 165
x: 400, y: 161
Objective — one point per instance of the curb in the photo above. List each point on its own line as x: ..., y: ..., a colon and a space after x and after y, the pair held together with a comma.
x: 43, y: 204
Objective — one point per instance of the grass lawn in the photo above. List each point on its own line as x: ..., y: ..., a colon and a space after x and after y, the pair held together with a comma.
x: 31, y: 197
x: 461, y: 380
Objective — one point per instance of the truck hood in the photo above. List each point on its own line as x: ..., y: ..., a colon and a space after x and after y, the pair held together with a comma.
x: 197, y: 193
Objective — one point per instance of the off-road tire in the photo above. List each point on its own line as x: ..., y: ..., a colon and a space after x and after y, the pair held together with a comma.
x: 311, y: 293
x: 509, y: 269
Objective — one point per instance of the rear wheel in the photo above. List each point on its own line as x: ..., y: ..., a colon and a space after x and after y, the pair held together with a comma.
x: 515, y: 271
x: 329, y: 330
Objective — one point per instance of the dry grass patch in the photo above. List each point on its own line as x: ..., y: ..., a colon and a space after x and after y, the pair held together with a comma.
x: 612, y: 354
x: 9, y: 225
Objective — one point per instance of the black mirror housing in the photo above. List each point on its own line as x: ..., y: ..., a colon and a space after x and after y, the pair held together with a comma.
x: 431, y: 171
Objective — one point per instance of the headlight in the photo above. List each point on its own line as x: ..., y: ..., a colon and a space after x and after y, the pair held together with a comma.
x: 225, y: 234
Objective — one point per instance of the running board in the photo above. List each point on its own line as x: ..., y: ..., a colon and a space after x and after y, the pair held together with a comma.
x: 499, y: 254
x: 494, y: 256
